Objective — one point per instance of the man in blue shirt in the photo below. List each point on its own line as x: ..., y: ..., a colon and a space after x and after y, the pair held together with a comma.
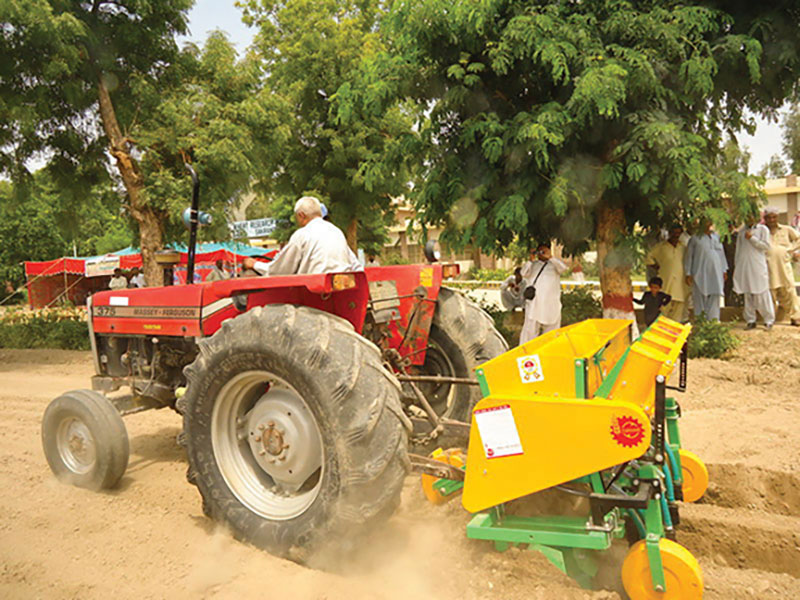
x: 706, y: 271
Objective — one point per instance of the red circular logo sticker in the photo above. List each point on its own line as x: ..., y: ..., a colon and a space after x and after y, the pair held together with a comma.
x: 627, y: 431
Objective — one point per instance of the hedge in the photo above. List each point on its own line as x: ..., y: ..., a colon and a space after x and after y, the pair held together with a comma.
x: 64, y: 328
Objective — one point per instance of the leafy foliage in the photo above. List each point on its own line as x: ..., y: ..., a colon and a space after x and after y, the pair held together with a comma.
x: 86, y: 79
x: 488, y: 274
x: 351, y: 159
x: 711, y: 339
x: 39, y: 221
x: 579, y: 303
x: 536, y: 114
x: 774, y: 167
x: 47, y: 328
x: 212, y: 110
x: 57, y: 53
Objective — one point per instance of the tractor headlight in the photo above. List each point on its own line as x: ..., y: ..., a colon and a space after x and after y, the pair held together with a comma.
x: 343, y: 281
x: 432, y: 252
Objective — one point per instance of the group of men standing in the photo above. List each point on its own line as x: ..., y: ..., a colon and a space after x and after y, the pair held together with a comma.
x: 762, y: 271
x: 692, y: 271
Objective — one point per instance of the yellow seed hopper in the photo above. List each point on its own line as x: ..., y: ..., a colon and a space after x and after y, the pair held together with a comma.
x: 584, y: 404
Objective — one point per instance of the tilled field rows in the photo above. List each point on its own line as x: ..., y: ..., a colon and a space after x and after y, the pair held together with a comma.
x: 748, y: 522
x: 148, y: 538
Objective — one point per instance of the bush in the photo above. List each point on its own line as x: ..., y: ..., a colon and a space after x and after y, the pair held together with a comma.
x: 711, y: 339
x: 578, y: 304
x: 64, y: 328
x: 393, y: 257
x: 488, y: 274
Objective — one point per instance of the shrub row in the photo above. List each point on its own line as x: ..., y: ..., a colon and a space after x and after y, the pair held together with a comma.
x: 64, y: 328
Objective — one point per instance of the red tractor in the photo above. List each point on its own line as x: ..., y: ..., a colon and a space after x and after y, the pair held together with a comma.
x: 298, y: 393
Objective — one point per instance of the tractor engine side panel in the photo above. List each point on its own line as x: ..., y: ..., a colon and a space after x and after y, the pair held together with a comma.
x: 417, y: 290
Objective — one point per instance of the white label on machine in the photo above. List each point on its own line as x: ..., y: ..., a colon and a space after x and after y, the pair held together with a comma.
x: 498, y: 431
x: 118, y: 301
x: 530, y: 368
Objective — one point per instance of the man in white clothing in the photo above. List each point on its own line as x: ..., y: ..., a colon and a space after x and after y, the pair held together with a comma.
x: 511, y: 291
x: 317, y: 247
x: 137, y: 278
x: 118, y: 281
x: 751, y: 273
x: 543, y: 311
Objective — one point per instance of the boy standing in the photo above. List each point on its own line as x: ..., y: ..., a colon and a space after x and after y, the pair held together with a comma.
x: 653, y: 300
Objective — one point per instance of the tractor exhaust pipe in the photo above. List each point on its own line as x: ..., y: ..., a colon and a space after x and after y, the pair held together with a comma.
x: 192, y: 224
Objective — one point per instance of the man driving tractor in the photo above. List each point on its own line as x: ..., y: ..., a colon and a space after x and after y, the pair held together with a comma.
x: 318, y: 246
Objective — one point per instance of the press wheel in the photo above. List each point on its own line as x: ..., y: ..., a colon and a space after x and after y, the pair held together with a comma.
x: 682, y: 574
x: 695, y: 476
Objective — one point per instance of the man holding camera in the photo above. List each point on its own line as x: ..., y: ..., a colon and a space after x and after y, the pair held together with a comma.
x: 542, y: 275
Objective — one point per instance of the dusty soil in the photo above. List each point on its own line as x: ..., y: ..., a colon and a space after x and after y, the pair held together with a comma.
x: 149, y: 538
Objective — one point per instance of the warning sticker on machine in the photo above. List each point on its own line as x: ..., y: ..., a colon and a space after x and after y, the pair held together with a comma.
x: 530, y: 368
x: 498, y: 431
x: 426, y: 276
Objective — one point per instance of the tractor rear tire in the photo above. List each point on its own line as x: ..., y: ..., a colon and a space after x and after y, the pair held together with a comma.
x: 84, y: 440
x: 466, y: 335
x: 295, y: 434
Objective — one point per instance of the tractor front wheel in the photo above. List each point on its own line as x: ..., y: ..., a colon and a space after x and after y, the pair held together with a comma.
x: 85, y: 441
x: 295, y: 434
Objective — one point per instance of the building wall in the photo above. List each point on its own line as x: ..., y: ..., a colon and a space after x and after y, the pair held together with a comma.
x: 782, y: 194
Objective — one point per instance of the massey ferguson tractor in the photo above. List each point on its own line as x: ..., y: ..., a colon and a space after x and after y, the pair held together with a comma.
x: 298, y: 394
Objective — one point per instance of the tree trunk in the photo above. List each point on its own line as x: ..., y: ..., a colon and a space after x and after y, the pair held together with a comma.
x: 615, y: 265
x: 150, y: 233
x: 352, y: 235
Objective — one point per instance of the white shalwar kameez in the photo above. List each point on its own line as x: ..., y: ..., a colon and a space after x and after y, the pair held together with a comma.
x: 751, y: 274
x: 511, y: 293
x: 543, y: 313
x: 705, y: 262
x: 318, y: 247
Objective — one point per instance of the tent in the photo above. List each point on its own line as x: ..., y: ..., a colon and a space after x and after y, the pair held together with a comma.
x: 75, y: 279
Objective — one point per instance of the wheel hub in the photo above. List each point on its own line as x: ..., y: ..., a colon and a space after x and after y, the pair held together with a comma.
x: 76, y: 445
x: 272, y: 439
x: 283, y: 438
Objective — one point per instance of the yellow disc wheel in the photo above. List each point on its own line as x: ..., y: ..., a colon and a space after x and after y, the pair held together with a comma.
x: 682, y: 574
x: 695, y: 476
x: 454, y: 457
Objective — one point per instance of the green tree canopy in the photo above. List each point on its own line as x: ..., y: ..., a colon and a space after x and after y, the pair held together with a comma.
x: 310, y: 49
x: 91, y: 80
x: 212, y: 110
x: 576, y: 120
x: 39, y: 222
x: 775, y: 167
x: 66, y: 89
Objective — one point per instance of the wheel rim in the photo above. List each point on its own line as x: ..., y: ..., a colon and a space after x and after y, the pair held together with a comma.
x: 76, y: 445
x: 437, y: 363
x: 267, y: 445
